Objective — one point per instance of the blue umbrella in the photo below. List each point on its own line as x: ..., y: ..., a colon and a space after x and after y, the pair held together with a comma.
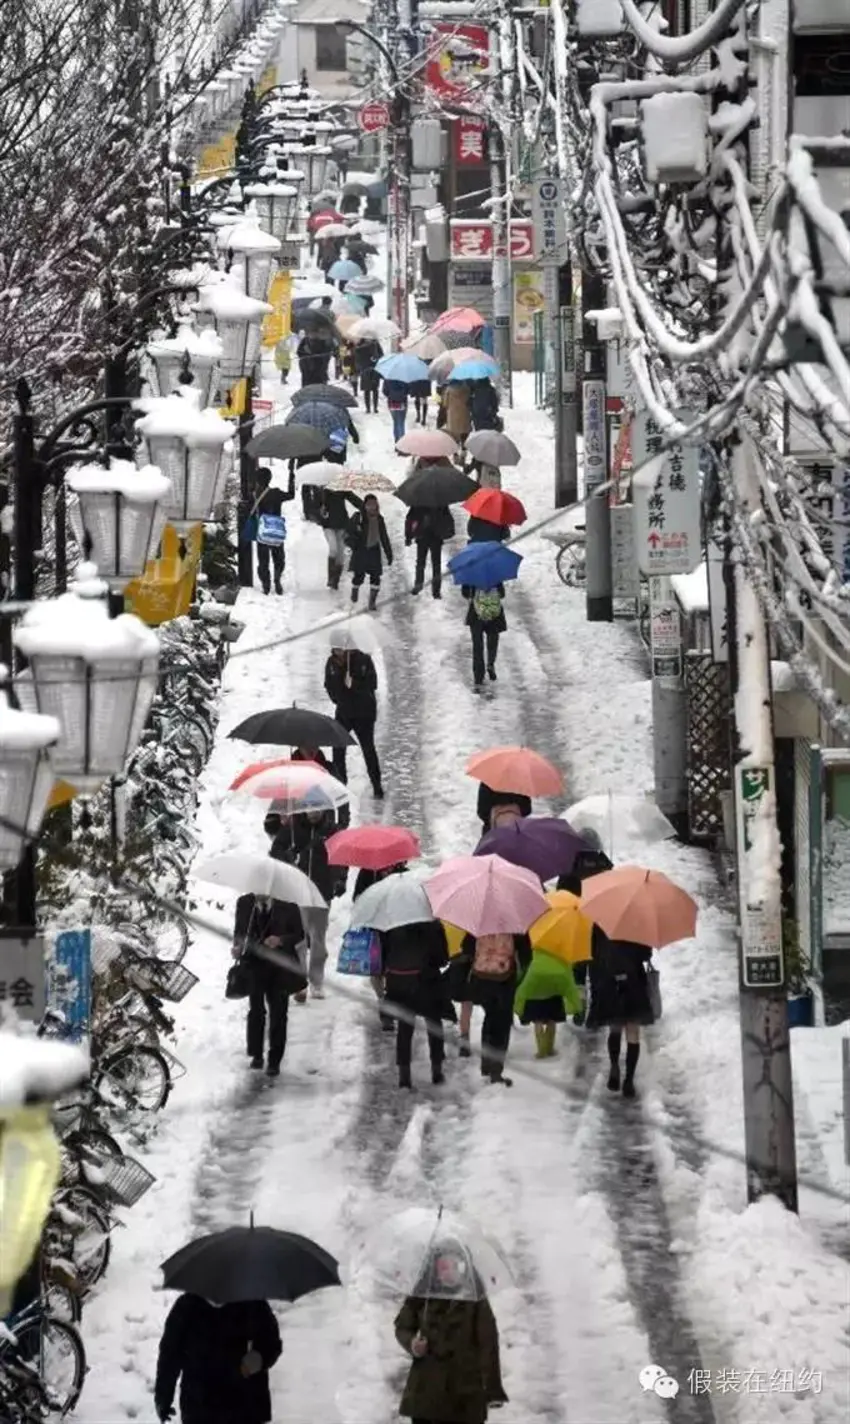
x: 355, y: 303
x: 343, y: 270
x: 474, y: 370
x: 406, y: 369
x: 484, y: 565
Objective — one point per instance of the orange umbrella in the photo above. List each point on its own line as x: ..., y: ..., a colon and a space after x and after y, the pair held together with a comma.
x: 517, y: 769
x: 645, y: 906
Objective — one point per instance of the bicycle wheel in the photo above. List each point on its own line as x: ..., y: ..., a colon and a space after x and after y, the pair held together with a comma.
x: 58, y: 1349
x: 61, y: 1301
x: 570, y: 565
x: 81, y: 1225
x: 172, y: 937
x: 135, y: 1082
x: 23, y: 1399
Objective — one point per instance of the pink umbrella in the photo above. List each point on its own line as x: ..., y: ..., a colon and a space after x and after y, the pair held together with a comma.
x: 458, y: 319
x: 428, y: 444
x: 484, y: 894
x: 372, y: 847
x: 517, y: 769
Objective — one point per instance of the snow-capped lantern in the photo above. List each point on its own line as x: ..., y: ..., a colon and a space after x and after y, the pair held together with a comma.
x: 675, y: 138
x: 254, y: 251
x: 96, y: 675
x: 275, y: 204
x: 26, y: 775
x: 118, y: 516
x: 598, y: 19
x: 189, y: 358
x: 237, y: 320
x: 188, y: 445
x: 314, y: 161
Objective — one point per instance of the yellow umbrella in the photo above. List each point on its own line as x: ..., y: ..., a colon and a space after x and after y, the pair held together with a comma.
x: 61, y: 794
x: 454, y: 938
x: 563, y: 931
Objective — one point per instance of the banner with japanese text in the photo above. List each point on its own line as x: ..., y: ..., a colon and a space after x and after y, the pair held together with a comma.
x: 470, y: 142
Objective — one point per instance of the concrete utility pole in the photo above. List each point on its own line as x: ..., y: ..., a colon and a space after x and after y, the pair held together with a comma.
x: 566, y: 393
x: 599, y: 591
x: 500, y: 214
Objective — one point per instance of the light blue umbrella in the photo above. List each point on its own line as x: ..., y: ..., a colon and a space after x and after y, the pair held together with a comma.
x: 474, y: 370
x: 355, y: 303
x: 401, y: 367
x: 343, y: 270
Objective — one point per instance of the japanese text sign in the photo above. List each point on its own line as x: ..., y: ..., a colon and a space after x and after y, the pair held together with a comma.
x: 595, y: 434
x: 459, y: 58
x: 22, y: 978
x: 470, y: 142
x: 472, y: 241
x: 666, y: 497
x: 549, y: 220
x: 69, y: 976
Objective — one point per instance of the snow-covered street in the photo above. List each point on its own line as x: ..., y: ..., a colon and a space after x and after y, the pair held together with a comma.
x: 625, y: 1222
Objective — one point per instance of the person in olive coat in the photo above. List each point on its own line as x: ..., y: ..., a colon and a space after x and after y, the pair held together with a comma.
x: 222, y: 1356
x: 449, y: 1331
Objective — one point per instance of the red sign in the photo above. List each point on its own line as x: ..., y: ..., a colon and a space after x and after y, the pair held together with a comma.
x: 472, y: 241
x: 470, y: 136
x: 374, y: 116
x: 459, y: 58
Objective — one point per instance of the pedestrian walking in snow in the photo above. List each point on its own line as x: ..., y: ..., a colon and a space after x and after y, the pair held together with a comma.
x: 221, y: 1355
x: 337, y: 451
x: 367, y: 354
x: 544, y: 997
x: 620, y: 1002
x: 429, y: 529
x: 396, y: 394
x: 368, y: 540
x: 347, y: 368
x: 453, y: 1340
x: 276, y: 926
x: 491, y: 806
x: 283, y: 357
x: 413, y: 959
x: 481, y: 531
x: 484, y: 406
x: 312, y: 859
x: 587, y: 863
x: 270, y: 531
x: 458, y: 420
x: 485, y: 619
x: 333, y: 518
x: 485, y: 974
x: 421, y: 393
x: 314, y: 354
x: 351, y: 682
x: 363, y: 881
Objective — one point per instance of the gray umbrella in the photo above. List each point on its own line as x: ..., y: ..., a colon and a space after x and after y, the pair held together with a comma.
x: 327, y: 395
x: 320, y: 415
x: 367, y: 283
x: 289, y: 442
x: 491, y: 447
x: 306, y: 316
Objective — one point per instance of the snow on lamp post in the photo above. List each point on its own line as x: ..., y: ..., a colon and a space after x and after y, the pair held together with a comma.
x: 254, y: 251
x: 26, y: 776
x: 275, y: 204
x: 95, y: 674
x: 118, y: 516
x: 189, y: 358
x: 314, y: 161
x: 188, y: 446
x: 237, y: 320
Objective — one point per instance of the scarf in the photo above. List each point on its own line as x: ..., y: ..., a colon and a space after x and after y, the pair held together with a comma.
x: 373, y: 530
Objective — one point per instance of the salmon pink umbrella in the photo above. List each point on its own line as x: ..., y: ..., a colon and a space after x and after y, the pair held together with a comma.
x: 496, y: 507
x: 458, y: 319
x: 427, y: 444
x: 298, y: 786
x: 372, y: 847
x: 320, y: 220
x: 485, y: 894
x: 517, y: 769
x: 630, y: 903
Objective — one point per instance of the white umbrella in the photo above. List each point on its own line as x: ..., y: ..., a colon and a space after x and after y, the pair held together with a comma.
x: 373, y: 328
x: 318, y: 473
x: 398, y: 900
x: 404, y: 1256
x: 359, y: 633
x: 260, y: 875
x: 634, y: 817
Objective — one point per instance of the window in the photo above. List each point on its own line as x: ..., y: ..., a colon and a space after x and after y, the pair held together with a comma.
x: 330, y: 48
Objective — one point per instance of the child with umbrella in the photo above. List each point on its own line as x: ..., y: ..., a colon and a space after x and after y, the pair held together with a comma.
x: 368, y: 539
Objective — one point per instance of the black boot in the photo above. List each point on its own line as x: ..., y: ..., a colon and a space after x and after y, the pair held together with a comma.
x: 632, y: 1056
x: 614, y: 1055
x: 404, y: 1080
x: 335, y: 574
x: 355, y: 592
x: 437, y: 1074
x: 373, y: 598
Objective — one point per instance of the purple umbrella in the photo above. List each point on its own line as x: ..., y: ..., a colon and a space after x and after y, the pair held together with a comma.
x: 544, y: 844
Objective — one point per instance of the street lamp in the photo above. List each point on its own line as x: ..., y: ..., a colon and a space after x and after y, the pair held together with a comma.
x: 237, y: 321
x: 314, y: 161
x: 95, y: 674
x: 188, y: 446
x: 26, y: 777
x: 255, y: 252
x: 189, y: 357
x: 275, y: 204
x: 118, y: 517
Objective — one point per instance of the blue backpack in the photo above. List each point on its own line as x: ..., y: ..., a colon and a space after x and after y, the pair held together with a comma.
x: 271, y: 530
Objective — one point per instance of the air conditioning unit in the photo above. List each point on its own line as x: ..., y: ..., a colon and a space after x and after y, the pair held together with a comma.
x: 675, y: 138
x: 599, y: 19
x: 427, y: 146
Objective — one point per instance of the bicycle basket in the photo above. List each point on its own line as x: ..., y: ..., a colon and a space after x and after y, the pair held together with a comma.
x: 125, y: 1179
x: 165, y: 979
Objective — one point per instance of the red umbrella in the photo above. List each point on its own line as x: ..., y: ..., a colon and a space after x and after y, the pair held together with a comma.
x: 457, y: 319
x: 327, y: 215
x: 372, y: 847
x: 257, y: 766
x: 496, y: 507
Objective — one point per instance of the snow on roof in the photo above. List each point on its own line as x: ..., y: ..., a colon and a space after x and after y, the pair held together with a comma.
x: 33, y: 1068
x: 144, y: 486
x: 247, y: 236
x: 202, y: 345
x: 692, y: 590
x: 271, y: 190
x: 24, y: 731
x: 77, y: 625
x: 230, y: 304
x: 178, y: 416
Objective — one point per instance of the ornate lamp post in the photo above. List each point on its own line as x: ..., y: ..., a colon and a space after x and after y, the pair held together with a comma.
x: 188, y: 446
x: 26, y: 777
x: 276, y: 204
x: 254, y: 251
x: 190, y: 357
x: 118, y: 517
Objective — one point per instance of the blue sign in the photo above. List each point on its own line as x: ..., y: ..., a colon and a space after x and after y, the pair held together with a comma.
x: 70, y: 980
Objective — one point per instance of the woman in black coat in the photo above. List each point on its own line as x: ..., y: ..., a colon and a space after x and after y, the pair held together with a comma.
x: 494, y: 996
x: 367, y: 354
x: 332, y: 516
x: 413, y: 958
x: 484, y: 406
x: 490, y: 801
x: 619, y: 1001
x: 368, y: 538
x: 363, y: 881
x: 222, y: 1356
x: 276, y: 925
x: 587, y: 863
x: 429, y: 528
x: 351, y: 682
x: 485, y: 631
x: 481, y: 531
x: 421, y: 392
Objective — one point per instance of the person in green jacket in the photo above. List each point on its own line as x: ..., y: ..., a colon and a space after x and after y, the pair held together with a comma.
x: 455, y: 1376
x: 547, y: 992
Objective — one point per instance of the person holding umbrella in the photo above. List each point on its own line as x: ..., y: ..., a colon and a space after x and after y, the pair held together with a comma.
x: 421, y: 392
x: 274, y: 925
x: 364, y: 880
x: 269, y: 502
x: 396, y: 394
x: 367, y: 354
x: 351, y: 682
x: 311, y: 857
x: 413, y: 957
x: 314, y: 354
x: 221, y: 1354
x: 458, y: 421
x: 484, y: 405
x: 333, y: 518
x: 486, y: 621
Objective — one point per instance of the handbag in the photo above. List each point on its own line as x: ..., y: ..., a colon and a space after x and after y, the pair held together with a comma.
x: 653, y: 985
x: 238, y: 985
x: 360, y: 954
x: 271, y: 530
x: 248, y: 532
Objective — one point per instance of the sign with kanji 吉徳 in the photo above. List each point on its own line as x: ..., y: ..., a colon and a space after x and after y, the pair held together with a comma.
x: 666, y: 498
x: 549, y: 220
x: 23, y: 985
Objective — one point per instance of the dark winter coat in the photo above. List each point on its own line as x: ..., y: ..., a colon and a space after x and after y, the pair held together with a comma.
x: 481, y: 531
x: 496, y: 625
x: 619, y: 993
x: 466, y: 987
x: 312, y: 855
x: 488, y: 798
x: 460, y: 1376
x: 396, y: 393
x: 366, y: 356
x: 484, y: 406
x: 272, y: 499
x: 314, y: 354
x: 255, y: 923
x: 587, y: 863
x: 366, y: 559
x: 331, y: 512
x: 420, y: 390
x: 359, y: 701
x: 203, y: 1346
x: 424, y: 523
x: 418, y: 949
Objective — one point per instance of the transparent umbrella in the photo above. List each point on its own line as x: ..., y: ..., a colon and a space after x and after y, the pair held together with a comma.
x: 433, y: 1254
x: 634, y: 819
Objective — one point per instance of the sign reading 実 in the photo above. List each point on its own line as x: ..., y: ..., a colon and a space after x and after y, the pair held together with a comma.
x: 666, y: 497
x: 22, y: 977
x: 470, y: 142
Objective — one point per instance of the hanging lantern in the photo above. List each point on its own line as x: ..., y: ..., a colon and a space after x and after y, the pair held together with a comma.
x: 237, y: 319
x: 188, y: 445
x: 118, y: 516
x: 254, y: 251
x: 97, y: 676
x: 190, y: 357
x: 314, y: 161
x: 275, y: 204
x: 26, y: 776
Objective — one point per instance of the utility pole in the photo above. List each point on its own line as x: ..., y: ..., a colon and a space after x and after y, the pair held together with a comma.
x: 500, y: 205
x: 566, y: 392
x: 599, y: 584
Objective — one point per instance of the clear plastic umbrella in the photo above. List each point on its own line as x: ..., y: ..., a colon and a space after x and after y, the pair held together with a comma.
x: 636, y: 819
x: 260, y: 875
x: 433, y: 1254
x: 398, y: 900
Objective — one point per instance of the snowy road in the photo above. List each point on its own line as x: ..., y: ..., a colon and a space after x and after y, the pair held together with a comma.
x: 629, y: 1241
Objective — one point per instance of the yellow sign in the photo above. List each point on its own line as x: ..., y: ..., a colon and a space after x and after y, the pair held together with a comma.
x: 217, y: 158
x: 528, y: 299
x: 237, y: 400
x: 278, y: 323
x: 62, y: 793
x: 165, y: 589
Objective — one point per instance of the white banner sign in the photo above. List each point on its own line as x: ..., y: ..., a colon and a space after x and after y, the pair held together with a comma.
x: 666, y: 497
x: 595, y: 434
x: 665, y: 633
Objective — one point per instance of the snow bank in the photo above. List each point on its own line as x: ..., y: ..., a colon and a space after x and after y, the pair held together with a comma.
x: 178, y: 416
x: 33, y: 1068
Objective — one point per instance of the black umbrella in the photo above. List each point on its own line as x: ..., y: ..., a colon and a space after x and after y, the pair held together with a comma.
x: 328, y: 395
x: 436, y: 485
x: 322, y: 415
x: 250, y: 1263
x: 288, y: 442
x: 313, y: 316
x: 356, y: 244
x: 291, y: 727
